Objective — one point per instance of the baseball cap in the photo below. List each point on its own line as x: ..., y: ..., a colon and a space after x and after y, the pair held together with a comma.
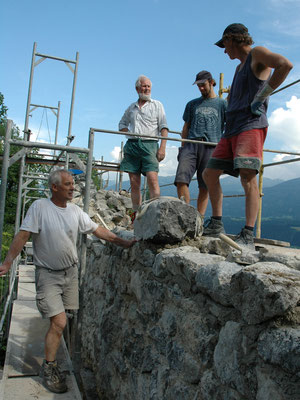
x: 202, y: 77
x: 234, y: 29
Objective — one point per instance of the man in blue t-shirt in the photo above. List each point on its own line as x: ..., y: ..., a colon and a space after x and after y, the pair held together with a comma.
x: 204, y: 119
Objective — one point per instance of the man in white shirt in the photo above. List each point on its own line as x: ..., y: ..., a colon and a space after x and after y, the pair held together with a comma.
x: 54, y: 225
x: 142, y: 156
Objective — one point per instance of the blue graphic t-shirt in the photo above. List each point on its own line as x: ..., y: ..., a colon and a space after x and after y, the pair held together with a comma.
x: 206, y: 118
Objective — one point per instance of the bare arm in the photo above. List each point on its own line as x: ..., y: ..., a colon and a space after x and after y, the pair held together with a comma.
x: 185, y: 132
x: 161, y: 153
x: 15, y: 249
x: 105, y: 234
x: 263, y: 60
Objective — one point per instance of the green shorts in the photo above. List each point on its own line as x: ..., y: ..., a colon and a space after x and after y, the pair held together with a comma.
x: 140, y: 156
x: 56, y: 291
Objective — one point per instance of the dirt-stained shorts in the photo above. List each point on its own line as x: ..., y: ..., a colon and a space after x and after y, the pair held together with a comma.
x: 241, y: 151
x: 140, y: 156
x: 56, y: 291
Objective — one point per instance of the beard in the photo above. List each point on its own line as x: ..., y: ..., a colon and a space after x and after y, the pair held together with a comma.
x: 145, y: 97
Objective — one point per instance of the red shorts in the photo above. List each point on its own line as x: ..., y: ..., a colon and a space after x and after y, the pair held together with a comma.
x: 241, y: 151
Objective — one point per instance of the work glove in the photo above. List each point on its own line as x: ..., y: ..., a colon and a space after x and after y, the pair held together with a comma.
x: 256, y: 107
x: 259, y: 98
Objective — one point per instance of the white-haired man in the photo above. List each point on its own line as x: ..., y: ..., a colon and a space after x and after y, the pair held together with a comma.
x: 142, y: 156
x: 54, y: 225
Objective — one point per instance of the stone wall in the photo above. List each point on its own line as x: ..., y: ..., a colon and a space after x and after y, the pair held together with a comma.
x: 183, y: 322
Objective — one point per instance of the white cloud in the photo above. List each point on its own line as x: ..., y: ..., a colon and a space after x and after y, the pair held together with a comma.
x: 169, y: 165
x: 115, y: 154
x: 285, y: 129
x: 285, y: 125
x: 283, y: 171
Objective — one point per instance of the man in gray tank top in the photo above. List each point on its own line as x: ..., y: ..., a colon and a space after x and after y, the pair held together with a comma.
x: 239, y: 152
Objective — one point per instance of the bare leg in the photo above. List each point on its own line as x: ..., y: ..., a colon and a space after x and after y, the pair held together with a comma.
x: 135, y: 183
x: 183, y: 190
x: 212, y: 179
x: 54, y: 334
x: 202, y: 200
x: 249, y: 183
x: 152, y: 180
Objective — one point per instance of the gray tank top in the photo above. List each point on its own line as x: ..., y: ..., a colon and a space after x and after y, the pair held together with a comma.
x: 239, y: 117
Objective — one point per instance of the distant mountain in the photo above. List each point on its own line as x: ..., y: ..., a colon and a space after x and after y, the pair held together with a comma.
x: 229, y: 185
x: 280, y: 211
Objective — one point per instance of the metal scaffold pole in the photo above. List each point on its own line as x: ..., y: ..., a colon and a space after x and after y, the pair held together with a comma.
x: 70, y: 136
x: 4, y: 178
x: 26, y: 137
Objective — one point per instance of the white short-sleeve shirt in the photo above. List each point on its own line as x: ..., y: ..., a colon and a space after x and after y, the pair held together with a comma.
x: 54, y: 232
x: 148, y: 120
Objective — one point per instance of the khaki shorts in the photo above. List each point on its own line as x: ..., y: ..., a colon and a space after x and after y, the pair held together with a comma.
x: 56, y: 291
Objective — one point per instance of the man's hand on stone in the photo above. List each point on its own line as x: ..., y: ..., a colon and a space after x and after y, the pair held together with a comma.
x: 128, y: 243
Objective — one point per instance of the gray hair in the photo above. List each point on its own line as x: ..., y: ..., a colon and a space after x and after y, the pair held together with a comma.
x: 139, y: 79
x: 55, y: 177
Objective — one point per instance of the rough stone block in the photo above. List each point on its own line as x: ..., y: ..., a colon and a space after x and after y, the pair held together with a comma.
x: 281, y: 347
x: 214, y: 280
x: 184, y: 261
x: 265, y: 290
x: 167, y: 221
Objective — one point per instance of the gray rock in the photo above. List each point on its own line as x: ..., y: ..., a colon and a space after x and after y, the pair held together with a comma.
x: 185, y: 261
x: 283, y: 255
x: 228, y: 360
x: 215, y: 279
x: 101, y: 205
x: 281, y: 347
x: 277, y: 380
x: 168, y: 322
x: 265, y: 290
x: 167, y: 221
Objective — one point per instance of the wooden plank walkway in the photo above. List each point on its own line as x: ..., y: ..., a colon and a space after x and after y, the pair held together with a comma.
x: 25, y: 349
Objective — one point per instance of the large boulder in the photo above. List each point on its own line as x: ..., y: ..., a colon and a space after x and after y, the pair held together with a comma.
x: 167, y: 220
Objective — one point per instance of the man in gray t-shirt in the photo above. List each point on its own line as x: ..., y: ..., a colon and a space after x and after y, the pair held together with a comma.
x: 54, y: 225
x: 203, y: 122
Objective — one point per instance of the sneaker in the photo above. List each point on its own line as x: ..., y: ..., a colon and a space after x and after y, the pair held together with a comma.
x: 53, y: 379
x: 245, y: 238
x: 213, y: 227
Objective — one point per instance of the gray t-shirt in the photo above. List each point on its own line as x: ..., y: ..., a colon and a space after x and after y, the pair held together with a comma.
x: 54, y: 232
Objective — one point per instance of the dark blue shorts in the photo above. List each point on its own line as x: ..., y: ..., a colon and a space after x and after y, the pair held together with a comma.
x: 192, y: 157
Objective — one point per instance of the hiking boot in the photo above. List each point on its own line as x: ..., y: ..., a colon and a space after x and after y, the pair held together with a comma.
x: 213, y: 227
x: 53, y: 379
x: 132, y: 215
x: 246, y: 239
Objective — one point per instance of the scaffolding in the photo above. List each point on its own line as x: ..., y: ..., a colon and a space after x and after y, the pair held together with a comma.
x: 68, y: 156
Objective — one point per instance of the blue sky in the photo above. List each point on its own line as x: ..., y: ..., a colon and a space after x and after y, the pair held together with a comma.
x: 117, y: 40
